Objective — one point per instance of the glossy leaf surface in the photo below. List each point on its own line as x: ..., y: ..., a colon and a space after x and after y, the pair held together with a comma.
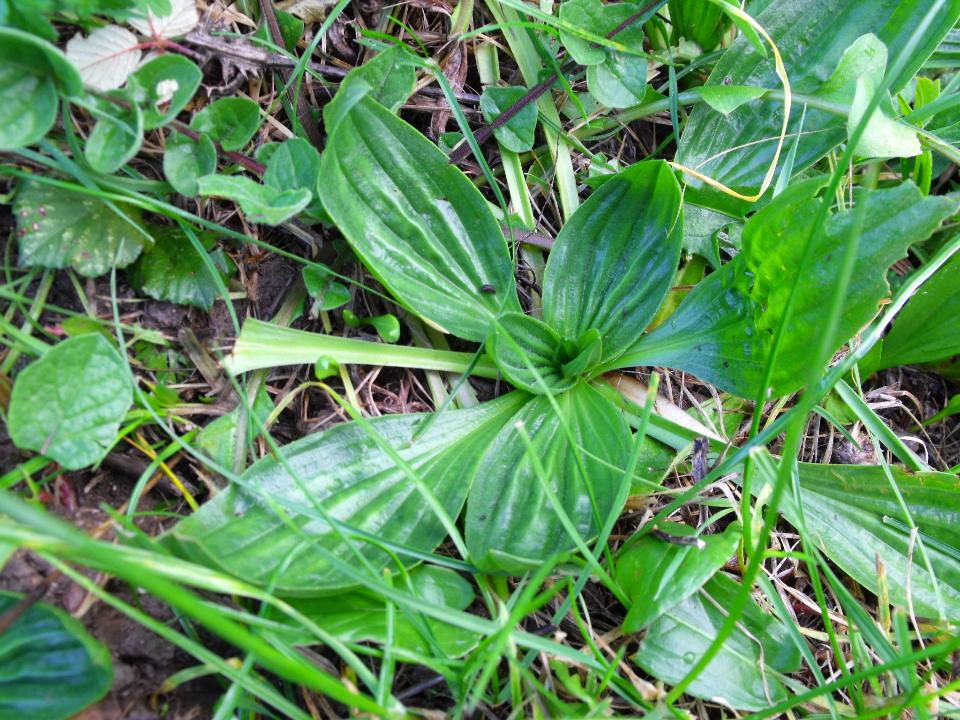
x: 812, y: 35
x: 614, y: 260
x: 417, y: 223
x: 361, y: 617
x: 344, y: 471
x: 230, y: 121
x: 723, y: 330
x: 264, y: 204
x: 50, y: 668
x: 657, y: 574
x: 167, y: 84
x: 853, y: 515
x: 511, y: 523
x: 742, y: 674
x: 518, y: 133
x: 527, y: 351
x: 115, y: 138
x: 68, y: 404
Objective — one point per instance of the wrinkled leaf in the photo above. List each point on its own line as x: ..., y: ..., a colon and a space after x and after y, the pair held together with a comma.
x: 417, y: 222
x: 68, y: 404
x: 105, y: 58
x: 230, y: 121
x: 115, y: 138
x: 743, y: 673
x: 723, y: 330
x: 186, y: 161
x: 171, y: 271
x: 657, y: 575
x: 50, y: 667
x: 167, y: 83
x: 260, y: 203
x: 511, y: 523
x: 614, y: 260
x: 344, y: 472
x: 59, y: 228
x: 362, y: 617
x: 517, y: 134
x: 812, y: 36
x: 533, y: 342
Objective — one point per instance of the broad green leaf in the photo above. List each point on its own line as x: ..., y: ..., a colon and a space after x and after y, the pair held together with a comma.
x: 614, y: 260
x: 657, y: 575
x: 619, y: 81
x: 167, y: 84
x: 388, y: 78
x: 812, y: 36
x: 68, y: 404
x: 115, y: 138
x: 511, y: 522
x: 291, y: 165
x: 517, y: 134
x: 587, y: 15
x: 927, y: 328
x: 260, y: 203
x: 230, y: 121
x: 105, y: 58
x: 324, y: 290
x: 417, y: 222
x: 361, y: 617
x: 865, y: 58
x: 520, y: 339
x: 853, y: 514
x: 743, y: 674
x: 727, y: 98
x: 218, y: 438
x: 50, y: 667
x: 883, y: 136
x: 344, y: 471
x: 31, y: 70
x: 172, y: 271
x: 723, y: 330
x: 186, y: 161
x: 59, y: 228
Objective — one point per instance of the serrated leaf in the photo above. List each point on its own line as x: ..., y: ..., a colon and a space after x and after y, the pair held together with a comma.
x: 743, y: 673
x: 418, y: 224
x: 657, y: 575
x: 115, y: 138
x: 59, y: 228
x: 181, y: 19
x: 50, y: 667
x: 186, y: 161
x: 168, y: 83
x: 344, y: 471
x: 511, y: 523
x: 106, y: 58
x: 723, y: 330
x: 68, y: 404
x: 360, y: 617
x: 260, y: 203
x: 517, y: 134
x: 171, y: 271
x: 230, y: 121
x: 613, y: 262
x: 812, y: 36
x: 520, y: 339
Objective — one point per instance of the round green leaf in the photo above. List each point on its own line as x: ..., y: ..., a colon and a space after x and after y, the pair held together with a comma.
x: 28, y: 107
x: 167, y: 83
x: 50, y: 668
x: 33, y: 55
x: 324, y: 290
x: 68, y: 404
x: 230, y: 121
x: 517, y: 134
x: 186, y: 161
x: 115, y: 139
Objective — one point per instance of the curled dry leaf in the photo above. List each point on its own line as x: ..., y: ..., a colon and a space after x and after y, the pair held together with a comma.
x: 105, y: 58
